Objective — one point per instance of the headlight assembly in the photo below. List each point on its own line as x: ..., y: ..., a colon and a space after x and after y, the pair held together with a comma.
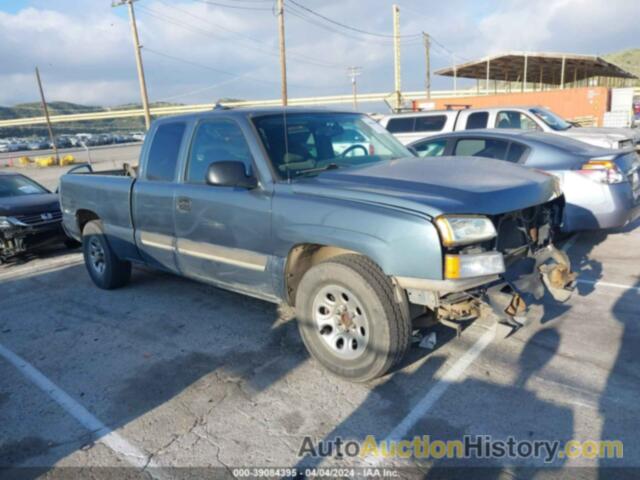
x: 464, y: 229
x: 5, y: 223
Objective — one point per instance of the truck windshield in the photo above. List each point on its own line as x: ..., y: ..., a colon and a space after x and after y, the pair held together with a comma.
x: 321, y: 141
x: 551, y: 119
x: 17, y: 185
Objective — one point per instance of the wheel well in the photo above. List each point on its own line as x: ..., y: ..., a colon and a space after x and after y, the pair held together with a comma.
x: 301, y: 258
x: 85, y: 216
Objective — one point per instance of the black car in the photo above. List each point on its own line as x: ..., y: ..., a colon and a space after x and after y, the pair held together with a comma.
x: 30, y: 216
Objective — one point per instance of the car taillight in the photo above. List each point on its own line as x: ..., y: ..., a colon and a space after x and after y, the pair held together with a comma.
x: 602, y: 171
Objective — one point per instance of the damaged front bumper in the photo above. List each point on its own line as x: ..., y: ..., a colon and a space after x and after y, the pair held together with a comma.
x: 19, y: 239
x: 502, y: 298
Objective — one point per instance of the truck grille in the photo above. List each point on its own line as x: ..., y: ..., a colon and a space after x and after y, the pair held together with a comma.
x: 39, y: 219
x: 530, y: 228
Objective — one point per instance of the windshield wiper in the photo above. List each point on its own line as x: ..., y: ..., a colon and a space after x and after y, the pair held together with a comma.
x: 330, y: 166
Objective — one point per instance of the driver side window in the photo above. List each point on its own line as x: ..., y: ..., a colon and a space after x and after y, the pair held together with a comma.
x: 517, y: 120
x: 216, y: 141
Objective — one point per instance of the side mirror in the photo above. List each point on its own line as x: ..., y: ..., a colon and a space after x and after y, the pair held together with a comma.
x: 230, y: 174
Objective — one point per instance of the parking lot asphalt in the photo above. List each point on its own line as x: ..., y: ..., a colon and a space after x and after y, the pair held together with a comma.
x: 171, y: 373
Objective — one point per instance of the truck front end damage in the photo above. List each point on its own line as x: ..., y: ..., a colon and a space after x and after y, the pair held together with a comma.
x: 493, y: 268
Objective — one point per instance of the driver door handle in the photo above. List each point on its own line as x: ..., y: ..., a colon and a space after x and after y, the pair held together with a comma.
x: 184, y: 204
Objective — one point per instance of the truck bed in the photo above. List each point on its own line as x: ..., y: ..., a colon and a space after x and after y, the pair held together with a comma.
x: 105, y: 195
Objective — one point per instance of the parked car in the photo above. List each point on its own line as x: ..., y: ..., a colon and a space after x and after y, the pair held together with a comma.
x: 601, y: 186
x: 30, y: 216
x: 63, y: 142
x: 39, y: 144
x: 364, y: 246
x: 138, y: 136
x: 410, y: 127
x: 4, y: 147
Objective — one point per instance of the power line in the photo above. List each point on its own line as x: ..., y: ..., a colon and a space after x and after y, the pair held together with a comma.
x: 301, y: 15
x: 240, y: 7
x: 206, y: 32
x: 225, y: 72
x: 349, y: 27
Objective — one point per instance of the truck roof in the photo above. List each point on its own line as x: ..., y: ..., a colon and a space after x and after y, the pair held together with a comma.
x: 456, y: 110
x: 249, y: 112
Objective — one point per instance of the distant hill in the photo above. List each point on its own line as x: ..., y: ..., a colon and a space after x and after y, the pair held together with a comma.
x: 627, y: 59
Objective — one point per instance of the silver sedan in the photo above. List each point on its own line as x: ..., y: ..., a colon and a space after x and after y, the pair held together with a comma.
x: 601, y: 186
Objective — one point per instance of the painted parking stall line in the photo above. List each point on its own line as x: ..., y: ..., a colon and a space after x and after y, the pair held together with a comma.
x: 450, y: 377
x: 114, y: 441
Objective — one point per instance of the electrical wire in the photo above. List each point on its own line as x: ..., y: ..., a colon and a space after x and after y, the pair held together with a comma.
x: 209, y: 33
x: 240, y: 7
x: 349, y: 27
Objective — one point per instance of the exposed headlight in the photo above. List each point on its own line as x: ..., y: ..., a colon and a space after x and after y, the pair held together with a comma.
x: 464, y: 229
x: 473, y: 265
x: 5, y: 223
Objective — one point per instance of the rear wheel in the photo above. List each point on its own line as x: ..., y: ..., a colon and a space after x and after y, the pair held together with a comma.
x: 105, y: 269
x: 349, y: 319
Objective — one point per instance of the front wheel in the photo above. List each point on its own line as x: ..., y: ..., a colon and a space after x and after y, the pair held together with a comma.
x: 105, y: 269
x: 349, y: 319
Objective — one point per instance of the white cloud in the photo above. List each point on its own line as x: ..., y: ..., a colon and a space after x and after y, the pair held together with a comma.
x: 85, y: 55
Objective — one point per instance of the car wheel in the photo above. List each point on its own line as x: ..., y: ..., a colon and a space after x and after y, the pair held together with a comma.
x: 105, y: 269
x: 349, y: 319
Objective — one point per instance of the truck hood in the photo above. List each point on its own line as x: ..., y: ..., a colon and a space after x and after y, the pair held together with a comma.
x: 435, y: 186
x: 602, y: 136
x: 29, y: 204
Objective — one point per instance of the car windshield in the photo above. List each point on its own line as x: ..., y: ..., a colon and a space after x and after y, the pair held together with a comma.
x: 551, y: 119
x: 17, y: 185
x: 320, y: 141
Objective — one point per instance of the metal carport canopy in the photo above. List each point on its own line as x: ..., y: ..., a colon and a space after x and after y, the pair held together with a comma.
x: 540, y: 67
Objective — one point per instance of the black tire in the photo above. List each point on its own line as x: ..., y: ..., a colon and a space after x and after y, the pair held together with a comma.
x: 389, y: 335
x: 105, y: 269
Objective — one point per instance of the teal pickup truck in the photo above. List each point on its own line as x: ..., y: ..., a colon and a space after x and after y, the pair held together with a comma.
x: 326, y: 212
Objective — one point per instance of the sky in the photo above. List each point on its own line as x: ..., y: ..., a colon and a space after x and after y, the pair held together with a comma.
x: 197, y: 51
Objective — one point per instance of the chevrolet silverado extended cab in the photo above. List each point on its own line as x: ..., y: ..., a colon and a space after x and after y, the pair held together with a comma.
x: 365, y: 241
x: 409, y: 127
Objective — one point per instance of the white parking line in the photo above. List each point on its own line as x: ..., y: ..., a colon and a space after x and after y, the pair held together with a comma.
x: 125, y: 450
x: 434, y: 394
x: 451, y: 376
x: 608, y: 284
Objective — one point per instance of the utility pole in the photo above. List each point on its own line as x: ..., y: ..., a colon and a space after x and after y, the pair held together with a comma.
x: 46, y: 116
x: 283, y: 56
x: 427, y: 58
x: 137, y: 47
x: 455, y: 73
x: 353, y: 73
x: 396, y: 57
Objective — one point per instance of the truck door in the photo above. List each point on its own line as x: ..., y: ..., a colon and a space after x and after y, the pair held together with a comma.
x: 153, y: 203
x: 223, y: 233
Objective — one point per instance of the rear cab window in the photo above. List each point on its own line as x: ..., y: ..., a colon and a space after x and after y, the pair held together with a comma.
x: 431, y: 123
x: 477, y: 120
x: 163, y: 155
x: 481, y: 147
x: 401, y: 124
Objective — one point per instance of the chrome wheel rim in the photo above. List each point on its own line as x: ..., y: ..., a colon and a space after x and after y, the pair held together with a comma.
x: 96, y: 256
x: 341, y: 321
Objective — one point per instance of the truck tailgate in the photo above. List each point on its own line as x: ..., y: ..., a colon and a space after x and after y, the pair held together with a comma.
x: 106, y: 196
